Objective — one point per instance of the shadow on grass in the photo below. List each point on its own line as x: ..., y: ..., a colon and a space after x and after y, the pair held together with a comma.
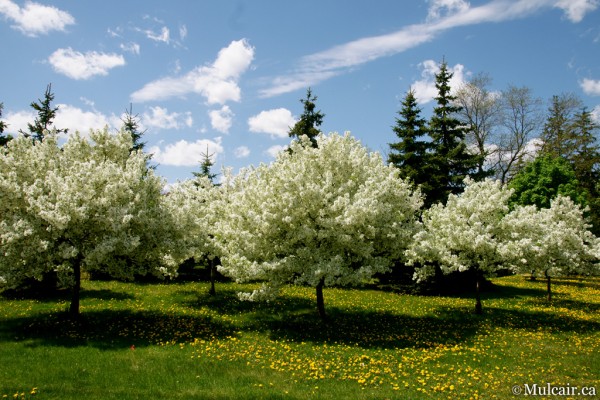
x: 295, y: 318
x: 111, y: 329
x: 55, y: 295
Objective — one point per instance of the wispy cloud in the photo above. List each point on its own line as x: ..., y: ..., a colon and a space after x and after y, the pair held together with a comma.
x: 442, y: 15
x: 77, y: 65
x: 34, y: 19
x: 217, y: 82
x: 161, y: 118
x: 241, y: 152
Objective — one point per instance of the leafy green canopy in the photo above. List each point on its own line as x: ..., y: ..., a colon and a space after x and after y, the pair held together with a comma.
x: 544, y: 178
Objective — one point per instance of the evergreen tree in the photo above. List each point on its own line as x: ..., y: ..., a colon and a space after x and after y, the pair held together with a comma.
x: 205, y: 172
x: 309, y: 120
x: 205, y: 167
x: 585, y: 161
x: 131, y: 124
x: 410, y: 155
x: 450, y: 158
x: 46, y: 115
x: 557, y: 136
x: 3, y: 138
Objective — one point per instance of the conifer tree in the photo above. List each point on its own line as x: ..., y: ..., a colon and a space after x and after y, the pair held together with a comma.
x: 410, y: 155
x: 309, y: 121
x: 131, y: 124
x: 46, y: 114
x: 3, y: 138
x: 450, y: 158
x: 205, y: 172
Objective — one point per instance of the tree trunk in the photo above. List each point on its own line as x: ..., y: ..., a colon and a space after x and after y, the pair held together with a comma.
x: 320, y: 301
x: 548, y: 286
x: 213, y: 273
x: 74, y: 307
x: 478, y: 307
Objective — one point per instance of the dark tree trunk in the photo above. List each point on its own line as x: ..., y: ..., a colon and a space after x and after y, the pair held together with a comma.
x: 74, y: 307
x: 478, y: 307
x: 320, y: 301
x: 548, y: 286
x: 213, y: 273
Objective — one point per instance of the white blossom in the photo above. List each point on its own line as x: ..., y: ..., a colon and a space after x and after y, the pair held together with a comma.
x: 334, y: 214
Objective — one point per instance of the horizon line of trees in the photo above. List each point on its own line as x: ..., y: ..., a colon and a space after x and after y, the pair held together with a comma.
x: 326, y: 212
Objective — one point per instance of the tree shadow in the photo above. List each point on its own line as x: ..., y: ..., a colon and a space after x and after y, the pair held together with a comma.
x: 296, y: 319
x: 111, y: 329
x: 58, y: 294
x: 579, y: 282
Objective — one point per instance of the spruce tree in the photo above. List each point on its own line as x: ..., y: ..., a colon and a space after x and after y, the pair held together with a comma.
x: 131, y: 124
x: 4, y: 139
x: 450, y: 159
x: 46, y: 114
x: 205, y: 167
x: 558, y: 138
x: 309, y: 121
x: 205, y: 172
x: 410, y: 155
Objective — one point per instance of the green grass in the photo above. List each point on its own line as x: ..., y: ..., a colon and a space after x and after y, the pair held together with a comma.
x: 173, y: 341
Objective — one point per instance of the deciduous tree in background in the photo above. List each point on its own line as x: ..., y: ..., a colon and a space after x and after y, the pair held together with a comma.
x: 88, y: 205
x: 330, y: 215
x: 543, y: 179
x: 480, y: 111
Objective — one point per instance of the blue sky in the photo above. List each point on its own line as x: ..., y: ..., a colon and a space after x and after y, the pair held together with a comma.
x: 229, y: 74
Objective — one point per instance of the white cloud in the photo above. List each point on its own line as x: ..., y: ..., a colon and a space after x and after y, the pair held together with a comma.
x: 76, y: 119
x: 276, y: 122
x: 441, y: 8
x: 217, y: 82
x: 130, y: 47
x: 596, y: 114
x: 221, y: 119
x: 17, y: 121
x: 67, y: 117
x: 576, y: 9
x: 183, y: 32
x: 442, y: 16
x: 425, y: 90
x: 160, y: 118
x: 274, y: 150
x: 590, y: 86
x: 35, y: 19
x: 186, y: 154
x: 78, y: 65
x: 163, y: 36
x: 241, y: 152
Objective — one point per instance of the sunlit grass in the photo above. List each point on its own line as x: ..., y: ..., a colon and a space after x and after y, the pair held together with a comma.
x: 173, y: 341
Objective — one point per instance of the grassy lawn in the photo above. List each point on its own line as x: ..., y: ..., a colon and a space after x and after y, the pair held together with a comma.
x: 172, y: 341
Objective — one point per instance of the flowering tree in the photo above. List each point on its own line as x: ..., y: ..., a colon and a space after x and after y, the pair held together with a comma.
x: 194, y: 205
x: 330, y: 215
x: 464, y: 234
x: 86, y: 205
x: 555, y: 240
